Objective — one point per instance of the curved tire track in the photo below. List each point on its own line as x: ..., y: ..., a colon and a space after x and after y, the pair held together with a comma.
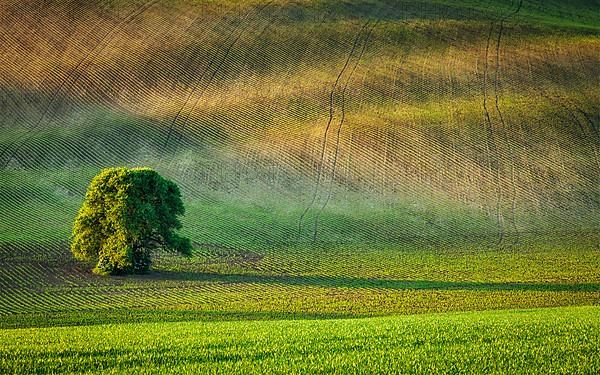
x: 324, y: 143
x: 341, y: 124
x: 211, y: 63
x: 503, y: 123
x: 491, y: 146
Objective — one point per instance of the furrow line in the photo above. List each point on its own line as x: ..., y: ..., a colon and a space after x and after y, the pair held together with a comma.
x: 75, y: 74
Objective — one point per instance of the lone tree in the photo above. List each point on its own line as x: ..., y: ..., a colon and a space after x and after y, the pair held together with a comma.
x: 126, y: 215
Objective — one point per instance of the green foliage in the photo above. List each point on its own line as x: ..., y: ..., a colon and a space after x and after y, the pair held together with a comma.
x: 128, y: 213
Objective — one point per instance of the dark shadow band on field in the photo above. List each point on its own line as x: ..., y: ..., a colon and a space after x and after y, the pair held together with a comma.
x: 371, y: 283
x: 150, y: 315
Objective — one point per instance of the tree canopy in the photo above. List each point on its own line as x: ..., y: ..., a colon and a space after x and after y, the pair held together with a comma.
x: 126, y: 215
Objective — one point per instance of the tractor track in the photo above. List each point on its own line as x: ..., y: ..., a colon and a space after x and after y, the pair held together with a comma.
x: 256, y: 137
x: 222, y: 57
x: 218, y: 68
x: 211, y: 63
x: 561, y: 101
x: 491, y: 139
x: 330, y: 120
x: 260, y: 26
x: 155, y: 40
x: 592, y: 125
x: 339, y: 130
x: 173, y: 122
x: 503, y: 123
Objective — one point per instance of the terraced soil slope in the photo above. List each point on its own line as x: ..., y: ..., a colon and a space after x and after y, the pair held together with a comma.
x: 291, y: 121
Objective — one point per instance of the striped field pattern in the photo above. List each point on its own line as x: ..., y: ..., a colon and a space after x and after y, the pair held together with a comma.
x: 337, y: 159
x: 319, y: 118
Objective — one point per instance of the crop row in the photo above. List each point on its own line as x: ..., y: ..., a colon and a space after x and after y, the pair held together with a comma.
x: 348, y: 280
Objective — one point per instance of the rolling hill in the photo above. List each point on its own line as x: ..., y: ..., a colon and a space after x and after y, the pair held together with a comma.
x: 300, y: 121
x: 337, y: 159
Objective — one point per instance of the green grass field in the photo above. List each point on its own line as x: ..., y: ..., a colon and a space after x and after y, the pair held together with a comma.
x: 302, y: 282
x: 561, y: 340
x: 370, y: 186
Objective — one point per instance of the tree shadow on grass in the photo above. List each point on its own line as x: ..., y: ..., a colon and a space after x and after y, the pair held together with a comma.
x: 371, y: 283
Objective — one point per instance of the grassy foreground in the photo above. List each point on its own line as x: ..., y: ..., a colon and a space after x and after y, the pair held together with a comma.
x: 557, y: 340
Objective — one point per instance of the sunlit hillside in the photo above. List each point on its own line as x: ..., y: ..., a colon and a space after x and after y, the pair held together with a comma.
x: 300, y: 121
x: 361, y: 180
